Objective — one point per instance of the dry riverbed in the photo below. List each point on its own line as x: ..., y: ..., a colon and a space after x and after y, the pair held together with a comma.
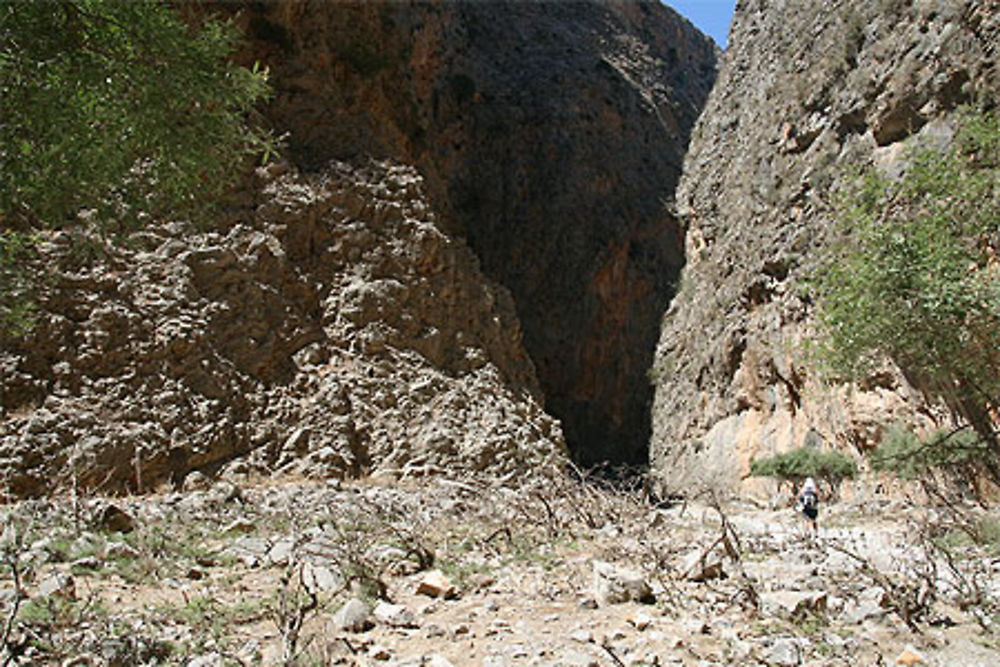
x: 549, y: 571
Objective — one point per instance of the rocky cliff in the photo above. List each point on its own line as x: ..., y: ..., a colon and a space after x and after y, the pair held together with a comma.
x: 457, y: 174
x: 551, y: 133
x: 805, y: 89
x: 327, y: 327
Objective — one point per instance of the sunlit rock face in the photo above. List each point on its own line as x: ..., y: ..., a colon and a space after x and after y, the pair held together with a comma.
x: 805, y: 90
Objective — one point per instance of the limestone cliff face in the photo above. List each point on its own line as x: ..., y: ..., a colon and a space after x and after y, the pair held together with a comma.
x: 327, y: 327
x: 551, y: 134
x: 805, y: 89
x: 471, y: 228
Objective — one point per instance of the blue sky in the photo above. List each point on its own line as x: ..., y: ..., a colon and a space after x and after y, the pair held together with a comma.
x: 711, y: 16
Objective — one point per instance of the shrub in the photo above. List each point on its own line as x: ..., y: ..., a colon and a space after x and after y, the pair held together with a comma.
x: 113, y: 113
x: 908, y: 456
x: 915, y: 279
x: 794, y: 466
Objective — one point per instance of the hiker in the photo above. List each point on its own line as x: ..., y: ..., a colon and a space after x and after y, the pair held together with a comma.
x: 809, y: 503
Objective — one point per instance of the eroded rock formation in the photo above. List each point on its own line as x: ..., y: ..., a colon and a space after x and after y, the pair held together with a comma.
x: 805, y: 89
x: 327, y: 328
x: 551, y: 133
x: 353, y: 312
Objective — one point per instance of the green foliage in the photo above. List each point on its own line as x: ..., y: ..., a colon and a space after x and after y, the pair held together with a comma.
x: 906, y: 455
x: 916, y: 279
x: 119, y: 108
x: 17, y: 308
x: 798, y: 464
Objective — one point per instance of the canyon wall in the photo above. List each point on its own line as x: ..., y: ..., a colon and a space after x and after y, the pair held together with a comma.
x: 467, y: 240
x: 552, y: 135
x: 805, y: 91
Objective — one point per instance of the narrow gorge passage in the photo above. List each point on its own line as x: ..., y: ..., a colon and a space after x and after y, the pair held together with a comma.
x: 551, y: 136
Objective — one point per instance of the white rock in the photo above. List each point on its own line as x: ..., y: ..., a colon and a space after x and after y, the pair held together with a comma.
x: 120, y: 550
x: 60, y: 584
x: 787, y: 604
x: 869, y: 605
x: 207, y: 660
x: 783, y: 652
x: 640, y: 621
x: 240, y: 525
x: 281, y: 552
x: 320, y: 578
x: 394, y: 615
x: 616, y: 585
x: 699, y: 566
x: 436, y: 660
x: 353, y: 616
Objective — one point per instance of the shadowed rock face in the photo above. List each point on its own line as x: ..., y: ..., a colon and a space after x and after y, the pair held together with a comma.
x: 551, y: 134
x: 351, y: 313
x: 805, y: 90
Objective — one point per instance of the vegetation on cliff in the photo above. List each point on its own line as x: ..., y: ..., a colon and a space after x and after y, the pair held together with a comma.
x: 114, y: 112
x: 915, y: 279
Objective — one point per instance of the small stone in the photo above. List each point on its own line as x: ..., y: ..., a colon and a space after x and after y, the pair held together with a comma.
x: 379, y: 652
x: 240, y: 525
x: 789, y: 604
x: 460, y: 630
x: 697, y: 626
x: 111, y: 518
x: 783, y: 652
x: 870, y: 604
x: 436, y: 585
x: 224, y: 491
x: 640, y: 621
x: 582, y: 635
x: 353, y: 616
x: 436, y: 660
x: 910, y: 657
x: 699, y: 566
x: 281, y: 552
x: 195, y: 574
x: 588, y: 603
x: 616, y: 585
x: 433, y: 631
x: 576, y: 659
x: 394, y: 615
x: 60, y: 585
x: 320, y: 578
x: 86, y: 563
x: 120, y: 550
x: 196, y: 481
x: 207, y: 660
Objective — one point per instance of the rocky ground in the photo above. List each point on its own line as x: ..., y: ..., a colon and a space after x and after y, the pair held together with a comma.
x: 544, y: 571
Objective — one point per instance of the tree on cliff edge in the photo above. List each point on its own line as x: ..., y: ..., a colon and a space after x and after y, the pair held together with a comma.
x: 113, y: 112
x: 917, y: 278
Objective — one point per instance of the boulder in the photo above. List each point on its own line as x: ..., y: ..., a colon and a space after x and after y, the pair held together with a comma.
x: 792, y: 604
x: 616, y: 585
x: 700, y: 566
x: 394, y: 615
x: 111, y: 518
x: 783, y: 652
x: 58, y: 585
x: 354, y: 616
x: 436, y: 585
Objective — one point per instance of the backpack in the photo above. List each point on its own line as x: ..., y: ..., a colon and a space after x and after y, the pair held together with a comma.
x: 809, y: 500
